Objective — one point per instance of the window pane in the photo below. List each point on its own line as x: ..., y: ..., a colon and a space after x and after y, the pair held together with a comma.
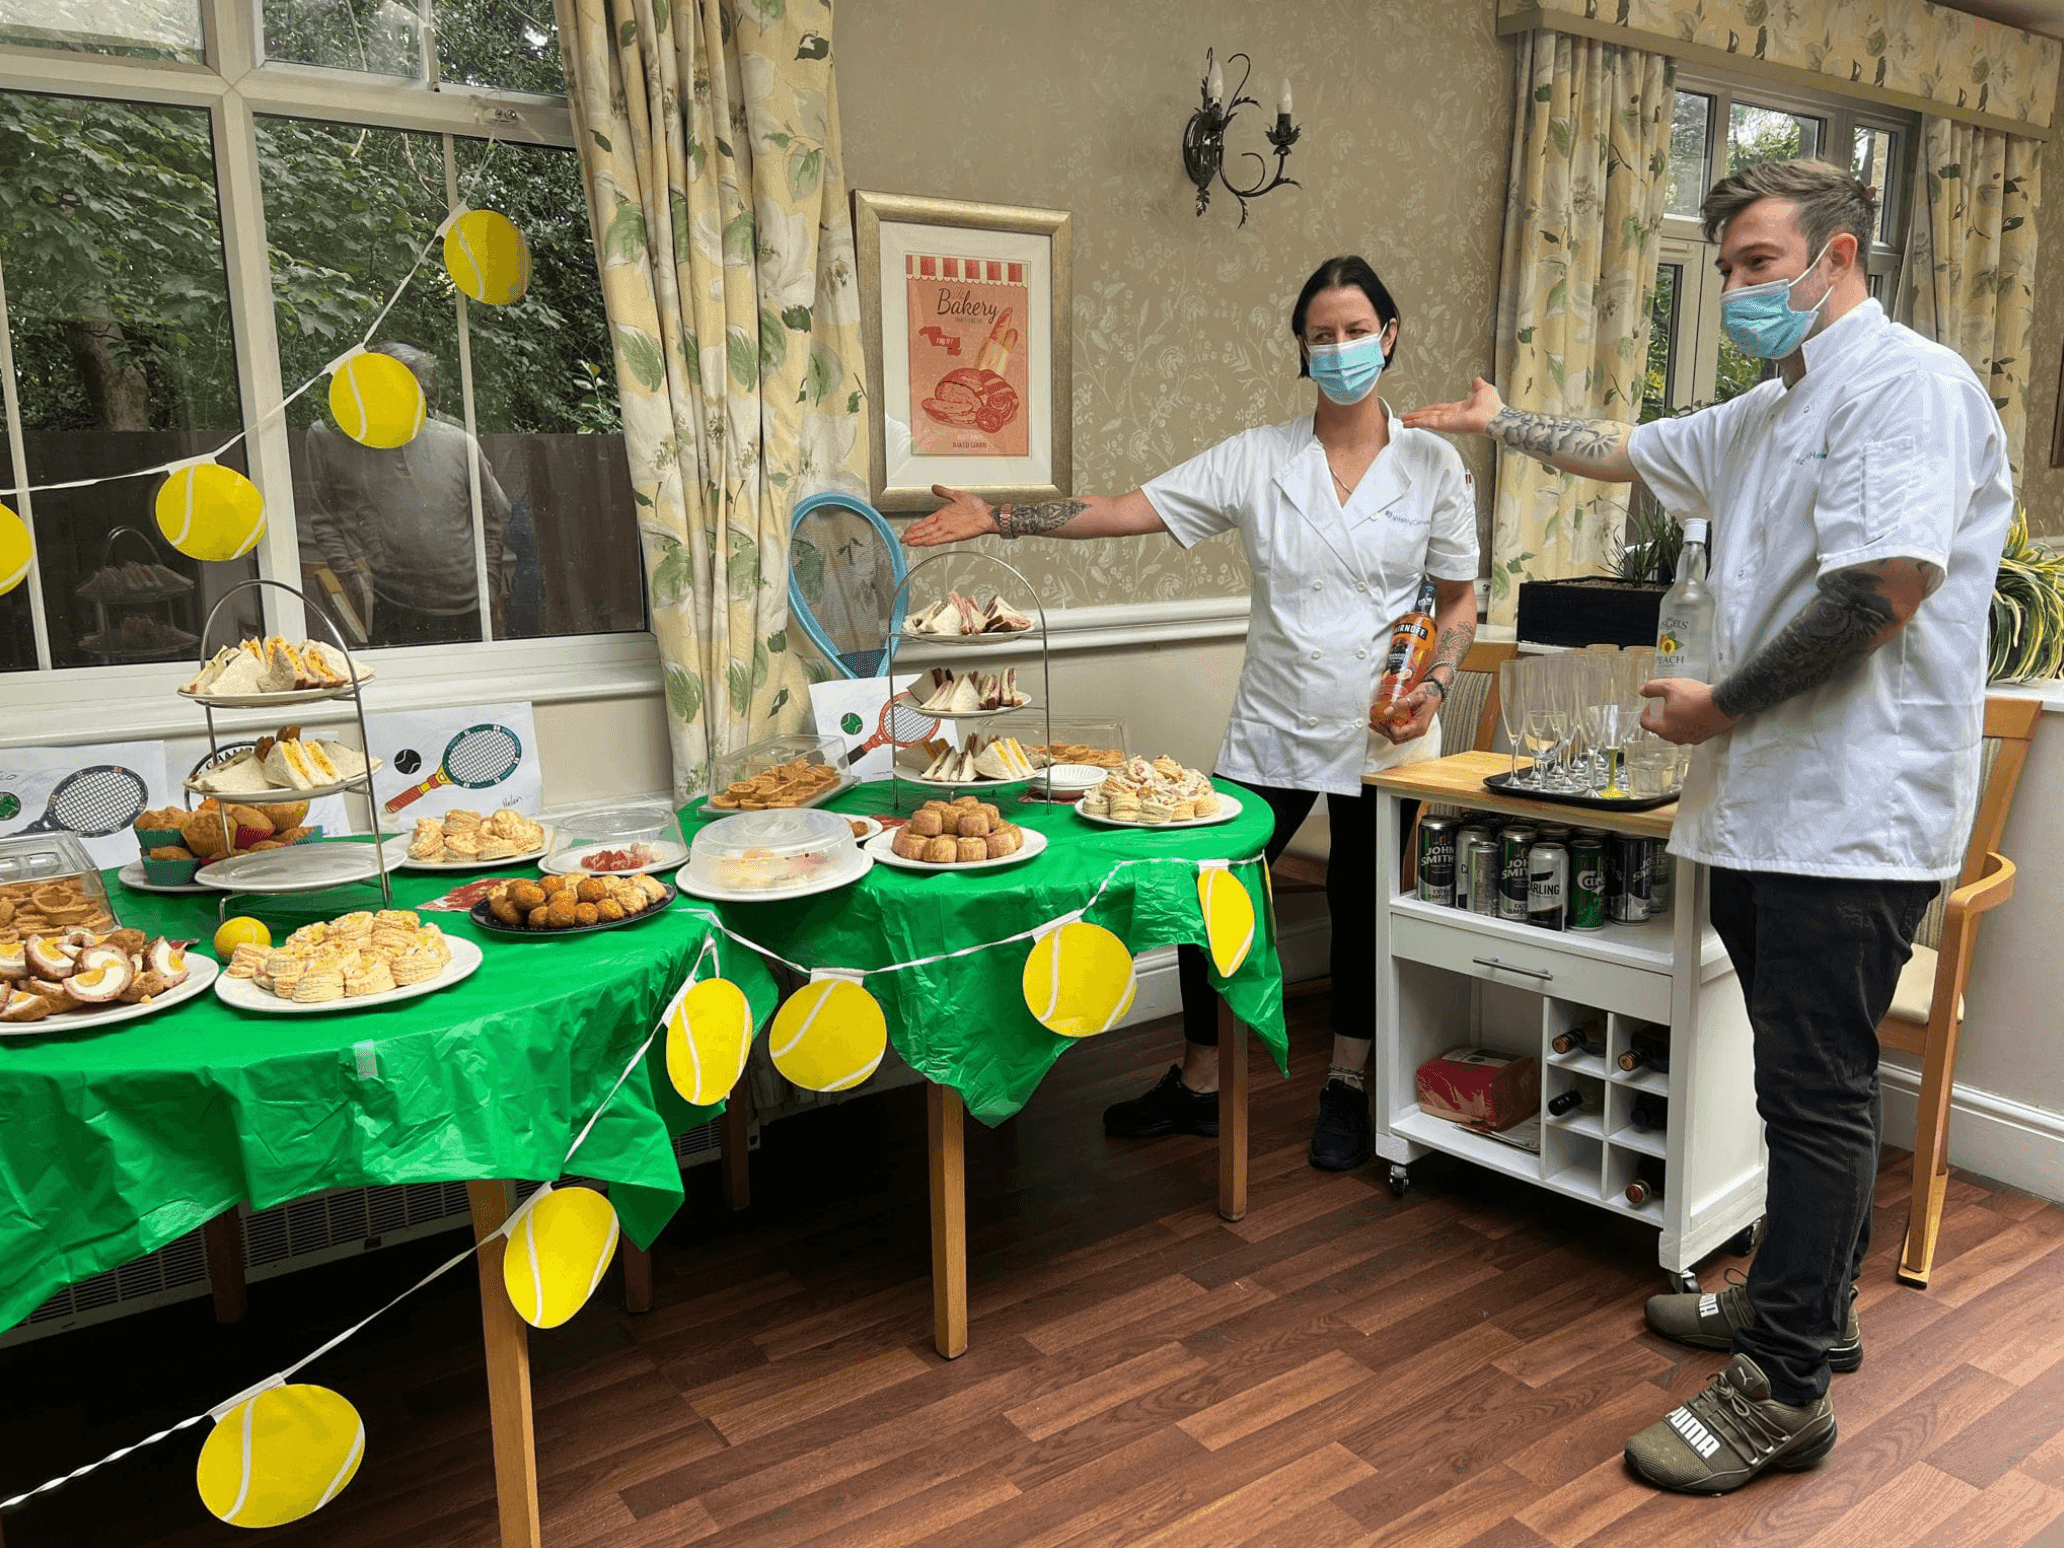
x: 112, y: 252
x: 1690, y: 125
x: 546, y: 408
x: 141, y: 29
x: 1875, y: 162
x: 376, y: 37
x: 512, y: 45
x: 1735, y: 373
x: 500, y: 43
x: 1768, y: 134
x: 1662, y: 342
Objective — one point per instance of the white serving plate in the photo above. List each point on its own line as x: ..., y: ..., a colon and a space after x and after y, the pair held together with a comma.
x: 872, y: 826
x: 477, y: 865
x: 275, y: 797
x: 1228, y: 809
x: 979, y: 782
x: 880, y: 846
x: 567, y: 862
x: 999, y: 637
x: 845, y: 878
x: 301, y: 867
x: 200, y: 973
x: 246, y: 995
x: 987, y: 714
x: 1073, y: 776
x: 280, y: 700
x: 133, y: 875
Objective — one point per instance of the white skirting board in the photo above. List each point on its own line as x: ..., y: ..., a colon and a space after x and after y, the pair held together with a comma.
x: 1991, y: 1135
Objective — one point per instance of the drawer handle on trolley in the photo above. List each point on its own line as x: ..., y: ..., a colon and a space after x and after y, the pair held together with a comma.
x: 1506, y: 967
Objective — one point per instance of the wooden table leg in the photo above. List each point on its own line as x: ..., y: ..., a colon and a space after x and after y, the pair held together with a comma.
x: 508, y: 1373
x: 943, y: 1113
x: 736, y: 1139
x: 637, y: 1277
x: 1232, y: 1114
x: 222, y: 1244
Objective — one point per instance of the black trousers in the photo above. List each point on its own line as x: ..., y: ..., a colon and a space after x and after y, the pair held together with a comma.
x: 1818, y: 959
x: 1350, y: 898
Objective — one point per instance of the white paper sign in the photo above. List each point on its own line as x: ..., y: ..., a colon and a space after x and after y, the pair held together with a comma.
x: 95, y: 792
x: 850, y: 708
x: 481, y: 756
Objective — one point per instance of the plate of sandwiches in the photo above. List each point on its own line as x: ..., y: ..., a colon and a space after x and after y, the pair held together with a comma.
x: 358, y: 961
x: 286, y: 767
x: 463, y: 840
x: 84, y: 979
x: 984, y: 620
x: 970, y: 695
x: 1002, y: 762
x: 257, y: 674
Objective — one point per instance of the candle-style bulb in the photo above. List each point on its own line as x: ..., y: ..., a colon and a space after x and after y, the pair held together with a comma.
x: 1283, y: 102
x: 1215, y: 89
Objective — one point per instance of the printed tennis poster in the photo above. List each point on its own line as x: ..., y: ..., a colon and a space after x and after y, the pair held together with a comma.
x: 479, y: 757
x: 95, y: 792
x: 968, y: 380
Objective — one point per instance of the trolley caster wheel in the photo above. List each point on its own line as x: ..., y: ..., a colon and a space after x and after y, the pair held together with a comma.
x: 1683, y: 1282
x: 1400, y: 1180
x: 1745, y: 1241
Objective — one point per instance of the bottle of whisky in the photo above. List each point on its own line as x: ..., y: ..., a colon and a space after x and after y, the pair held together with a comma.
x: 1411, y: 647
x: 1684, y: 624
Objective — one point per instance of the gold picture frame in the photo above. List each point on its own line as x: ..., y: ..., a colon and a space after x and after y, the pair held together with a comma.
x: 963, y: 390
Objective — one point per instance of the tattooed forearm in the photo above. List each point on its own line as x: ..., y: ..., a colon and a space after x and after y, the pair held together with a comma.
x: 1554, y: 437
x: 1034, y: 520
x: 1449, y: 647
x: 1841, y: 625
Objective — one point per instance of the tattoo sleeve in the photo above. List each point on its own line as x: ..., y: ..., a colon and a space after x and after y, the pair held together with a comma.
x: 1449, y: 648
x: 1549, y: 435
x: 1036, y: 520
x: 1840, y: 626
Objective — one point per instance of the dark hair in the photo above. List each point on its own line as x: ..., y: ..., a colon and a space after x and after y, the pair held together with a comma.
x: 1828, y: 200
x: 1344, y: 273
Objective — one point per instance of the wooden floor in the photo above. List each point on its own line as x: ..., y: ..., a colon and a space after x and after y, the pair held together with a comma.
x: 1456, y: 1368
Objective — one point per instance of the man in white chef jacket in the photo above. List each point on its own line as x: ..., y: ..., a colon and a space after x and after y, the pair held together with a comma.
x: 1859, y: 501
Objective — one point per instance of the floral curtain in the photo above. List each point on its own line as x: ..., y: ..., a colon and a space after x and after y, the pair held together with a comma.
x: 1970, y: 261
x: 1583, y: 224
x: 709, y: 133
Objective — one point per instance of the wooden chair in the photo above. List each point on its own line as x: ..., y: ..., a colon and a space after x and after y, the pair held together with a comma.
x: 1928, y: 1007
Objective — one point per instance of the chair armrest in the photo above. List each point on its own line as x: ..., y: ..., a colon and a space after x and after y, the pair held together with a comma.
x: 1988, y: 891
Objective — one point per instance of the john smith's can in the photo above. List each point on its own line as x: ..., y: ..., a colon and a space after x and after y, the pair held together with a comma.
x: 1465, y: 835
x: 1587, y: 883
x: 1481, y: 859
x: 1547, y: 884
x: 1627, y: 878
x: 1437, y: 860
x: 1513, y: 845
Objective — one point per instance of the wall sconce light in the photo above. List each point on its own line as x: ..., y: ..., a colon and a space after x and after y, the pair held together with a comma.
x: 1203, y: 142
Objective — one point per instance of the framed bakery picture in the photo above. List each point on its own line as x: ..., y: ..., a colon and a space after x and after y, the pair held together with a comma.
x: 964, y: 310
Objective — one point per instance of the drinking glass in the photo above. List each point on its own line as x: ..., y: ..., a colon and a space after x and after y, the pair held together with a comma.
x: 1540, y: 736
x: 1512, y: 706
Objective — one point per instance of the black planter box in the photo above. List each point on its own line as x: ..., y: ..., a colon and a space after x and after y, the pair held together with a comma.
x: 1593, y: 610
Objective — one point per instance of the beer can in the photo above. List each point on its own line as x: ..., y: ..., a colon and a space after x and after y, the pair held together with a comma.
x: 1559, y: 832
x: 1466, y: 835
x: 1481, y: 858
x: 1662, y: 879
x: 1437, y: 860
x: 1587, y: 882
x: 1513, y: 844
x: 1547, y: 884
x: 1627, y: 872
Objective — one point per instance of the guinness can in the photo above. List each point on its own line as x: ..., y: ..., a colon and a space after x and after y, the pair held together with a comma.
x: 1437, y: 860
x: 1513, y: 845
x: 1470, y: 831
x: 1587, y: 882
x: 1480, y: 859
x: 1547, y: 884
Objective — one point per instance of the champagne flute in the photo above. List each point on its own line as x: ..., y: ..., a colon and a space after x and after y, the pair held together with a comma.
x: 1512, y: 708
x: 1540, y: 736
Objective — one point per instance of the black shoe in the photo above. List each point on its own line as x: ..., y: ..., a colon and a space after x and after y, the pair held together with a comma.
x: 1170, y: 1108
x: 1345, y: 1136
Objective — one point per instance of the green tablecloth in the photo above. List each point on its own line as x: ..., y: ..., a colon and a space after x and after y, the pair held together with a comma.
x: 963, y: 1022
x: 114, y: 1143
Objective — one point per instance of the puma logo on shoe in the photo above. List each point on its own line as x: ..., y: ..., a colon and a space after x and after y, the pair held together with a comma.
x: 1701, y: 1439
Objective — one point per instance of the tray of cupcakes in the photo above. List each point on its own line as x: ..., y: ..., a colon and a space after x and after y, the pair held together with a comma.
x: 177, y: 842
x: 964, y: 835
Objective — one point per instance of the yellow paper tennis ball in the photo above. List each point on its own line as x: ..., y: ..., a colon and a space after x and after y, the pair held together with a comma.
x: 830, y: 1036
x: 243, y: 930
x: 210, y: 512
x: 558, y: 1253
x: 1079, y: 980
x: 16, y: 550
x: 278, y: 1456
x: 1228, y: 918
x: 487, y: 257
x: 709, y: 1031
x: 376, y: 400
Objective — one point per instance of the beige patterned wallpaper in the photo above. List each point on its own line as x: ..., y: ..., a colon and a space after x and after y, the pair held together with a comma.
x: 1181, y: 324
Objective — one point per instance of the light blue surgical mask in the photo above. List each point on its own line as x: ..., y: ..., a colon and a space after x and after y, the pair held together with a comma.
x: 1347, y: 372
x: 1761, y: 319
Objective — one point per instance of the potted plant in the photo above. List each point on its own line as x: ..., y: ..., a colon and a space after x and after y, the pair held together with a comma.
x: 1615, y: 609
x: 2027, y: 643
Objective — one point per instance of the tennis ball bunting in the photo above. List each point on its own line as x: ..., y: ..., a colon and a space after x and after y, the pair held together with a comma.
x: 243, y: 930
x: 210, y: 512
x: 1228, y: 918
x: 830, y: 1036
x: 376, y: 400
x: 557, y: 1254
x: 280, y: 1455
x: 709, y: 1031
x: 16, y: 550
x: 487, y: 257
x: 1079, y: 980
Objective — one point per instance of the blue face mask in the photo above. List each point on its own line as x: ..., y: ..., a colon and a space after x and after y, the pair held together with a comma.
x: 1347, y: 373
x: 1761, y: 320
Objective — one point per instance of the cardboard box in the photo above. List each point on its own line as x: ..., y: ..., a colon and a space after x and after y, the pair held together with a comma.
x: 1480, y: 1088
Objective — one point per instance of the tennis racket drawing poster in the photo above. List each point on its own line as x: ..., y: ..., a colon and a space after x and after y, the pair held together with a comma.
x: 856, y: 710
x: 94, y: 793
x: 478, y: 757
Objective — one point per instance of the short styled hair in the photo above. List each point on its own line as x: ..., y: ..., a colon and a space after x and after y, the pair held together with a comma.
x: 1829, y: 200
x: 1344, y: 273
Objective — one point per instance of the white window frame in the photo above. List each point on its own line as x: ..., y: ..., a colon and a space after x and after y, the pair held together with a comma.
x: 236, y: 87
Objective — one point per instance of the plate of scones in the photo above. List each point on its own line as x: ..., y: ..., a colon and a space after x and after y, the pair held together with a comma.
x: 570, y: 905
x: 463, y: 840
x: 963, y: 835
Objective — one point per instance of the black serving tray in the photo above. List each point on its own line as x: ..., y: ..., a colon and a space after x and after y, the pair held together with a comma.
x: 1501, y: 784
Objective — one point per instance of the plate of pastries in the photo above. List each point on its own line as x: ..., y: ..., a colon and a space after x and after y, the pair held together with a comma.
x: 569, y: 905
x: 463, y: 840
x: 176, y: 842
x: 983, y: 619
x: 79, y: 978
x: 257, y: 673
x: 964, y: 835
x: 356, y: 961
x: 50, y: 906
x: 799, y: 782
x: 1157, y: 793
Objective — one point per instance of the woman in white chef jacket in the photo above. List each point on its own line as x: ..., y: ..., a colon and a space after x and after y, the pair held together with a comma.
x: 1341, y: 512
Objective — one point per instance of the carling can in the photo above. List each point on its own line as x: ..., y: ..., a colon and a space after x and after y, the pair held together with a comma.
x: 1480, y: 858
x: 1547, y: 884
x: 1627, y: 896
x: 1587, y: 883
x: 1437, y: 860
x: 1513, y: 844
x: 1662, y: 879
x: 1465, y: 835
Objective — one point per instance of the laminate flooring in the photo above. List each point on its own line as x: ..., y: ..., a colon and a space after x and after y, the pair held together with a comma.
x: 1454, y: 1369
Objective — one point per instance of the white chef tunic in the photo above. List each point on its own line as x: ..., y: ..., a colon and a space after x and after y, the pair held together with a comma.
x: 1888, y: 448
x: 1328, y: 583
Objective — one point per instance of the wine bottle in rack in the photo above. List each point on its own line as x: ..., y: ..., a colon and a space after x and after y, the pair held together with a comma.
x: 1570, y: 1101
x: 1649, y: 1113
x: 1587, y: 1037
x: 1647, y: 1049
x: 1647, y: 1184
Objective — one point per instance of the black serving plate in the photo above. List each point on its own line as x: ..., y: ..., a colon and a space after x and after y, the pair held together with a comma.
x: 1501, y: 784
x: 482, y: 916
